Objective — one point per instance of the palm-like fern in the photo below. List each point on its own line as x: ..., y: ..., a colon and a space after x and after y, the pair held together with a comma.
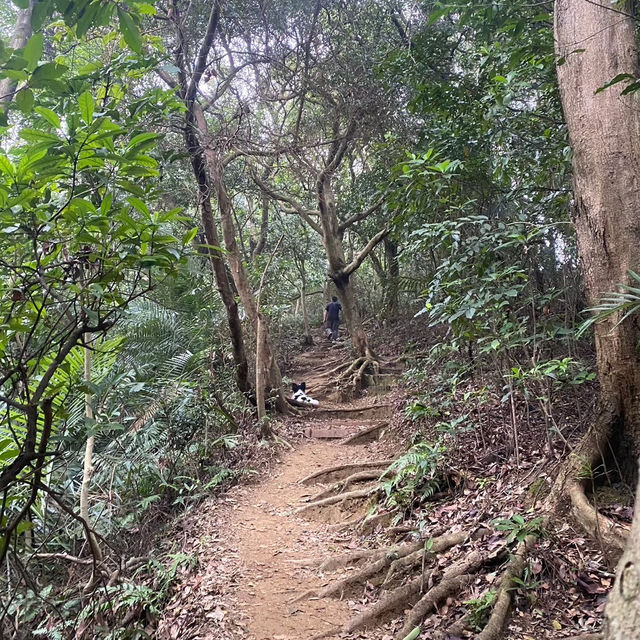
x: 624, y: 303
x: 415, y: 475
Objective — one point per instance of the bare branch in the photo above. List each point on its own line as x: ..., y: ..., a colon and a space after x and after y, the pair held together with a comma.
x: 203, y: 53
x: 294, y: 206
x: 371, y: 245
x: 362, y: 215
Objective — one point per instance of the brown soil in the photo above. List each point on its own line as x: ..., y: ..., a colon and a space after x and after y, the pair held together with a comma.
x: 255, y: 554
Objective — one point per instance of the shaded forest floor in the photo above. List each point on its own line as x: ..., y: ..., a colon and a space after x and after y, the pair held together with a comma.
x: 257, y: 552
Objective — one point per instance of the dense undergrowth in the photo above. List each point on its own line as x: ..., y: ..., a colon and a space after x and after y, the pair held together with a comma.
x: 477, y: 460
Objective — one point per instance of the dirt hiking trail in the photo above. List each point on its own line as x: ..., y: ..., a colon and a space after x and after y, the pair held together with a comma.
x: 257, y: 551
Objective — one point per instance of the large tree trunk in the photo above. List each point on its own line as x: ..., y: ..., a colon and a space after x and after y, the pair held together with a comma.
x: 332, y: 241
x: 217, y: 262
x: 596, y: 42
x: 622, y: 615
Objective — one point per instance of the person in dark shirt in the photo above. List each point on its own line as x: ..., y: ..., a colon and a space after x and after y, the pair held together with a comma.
x: 332, y: 317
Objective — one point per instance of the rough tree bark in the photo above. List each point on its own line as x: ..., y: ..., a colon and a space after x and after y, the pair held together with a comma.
x: 273, y: 377
x: 217, y: 262
x: 622, y: 615
x: 595, y: 42
x: 332, y: 231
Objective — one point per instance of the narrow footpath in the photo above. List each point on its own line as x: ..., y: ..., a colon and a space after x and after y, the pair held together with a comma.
x: 257, y: 552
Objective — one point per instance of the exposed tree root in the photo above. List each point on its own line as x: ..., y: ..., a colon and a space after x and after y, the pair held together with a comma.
x: 354, y: 372
x: 612, y: 535
x: 369, y: 523
x: 340, y: 487
x: 379, y: 562
x: 571, y: 483
x: 334, y: 371
x: 346, y: 467
x: 454, y: 630
x: 455, y: 578
x: 343, y: 497
x: 336, y: 562
x: 406, y: 569
x: 493, y: 628
x: 364, y: 434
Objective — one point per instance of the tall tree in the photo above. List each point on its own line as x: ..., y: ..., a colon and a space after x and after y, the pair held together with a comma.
x: 596, y: 43
x: 209, y: 164
x: 321, y: 125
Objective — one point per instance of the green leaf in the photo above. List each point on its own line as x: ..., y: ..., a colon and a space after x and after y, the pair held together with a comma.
x: 23, y: 526
x: 621, y: 77
x: 25, y: 100
x: 32, y: 51
x: 34, y: 135
x: 6, y: 166
x: 633, y: 87
x: 42, y: 10
x: 130, y: 31
x: 86, y: 104
x: 105, y: 205
x: 189, y: 236
x: 145, y: 9
x: 21, y: 4
x: 413, y: 634
x: 50, y: 116
x: 139, y: 205
x: 46, y: 74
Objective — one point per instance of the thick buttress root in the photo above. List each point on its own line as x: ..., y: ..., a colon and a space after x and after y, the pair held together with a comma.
x: 571, y: 481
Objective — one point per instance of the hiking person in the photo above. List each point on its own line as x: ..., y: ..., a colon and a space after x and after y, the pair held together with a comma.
x: 332, y: 317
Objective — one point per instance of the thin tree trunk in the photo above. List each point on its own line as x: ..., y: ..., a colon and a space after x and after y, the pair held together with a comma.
x: 261, y: 347
x: 308, y: 339
x: 225, y: 207
x: 88, y: 468
x: 21, y: 34
x: 393, y: 269
x: 596, y: 42
x: 215, y: 255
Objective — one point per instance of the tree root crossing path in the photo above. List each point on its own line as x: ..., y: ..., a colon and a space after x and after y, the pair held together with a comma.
x: 261, y: 547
